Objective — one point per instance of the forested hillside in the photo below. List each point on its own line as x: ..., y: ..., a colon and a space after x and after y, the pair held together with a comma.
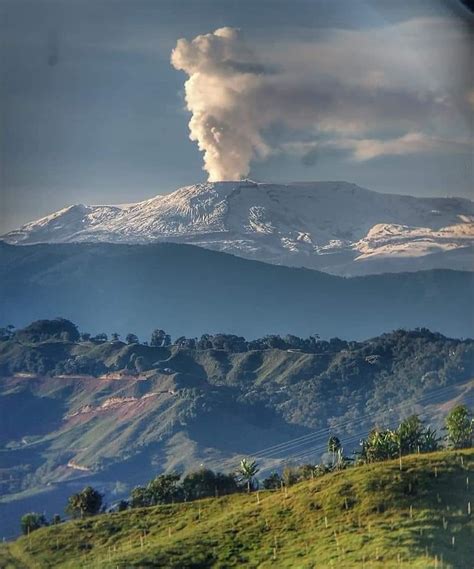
x: 74, y: 405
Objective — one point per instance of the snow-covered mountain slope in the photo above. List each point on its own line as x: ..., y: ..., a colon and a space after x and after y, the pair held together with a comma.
x: 337, y: 227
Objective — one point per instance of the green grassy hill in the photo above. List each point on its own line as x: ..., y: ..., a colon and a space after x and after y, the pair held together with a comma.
x: 64, y: 422
x: 370, y: 516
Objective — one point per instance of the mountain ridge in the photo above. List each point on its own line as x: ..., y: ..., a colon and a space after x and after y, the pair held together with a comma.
x: 336, y: 227
x: 191, y: 290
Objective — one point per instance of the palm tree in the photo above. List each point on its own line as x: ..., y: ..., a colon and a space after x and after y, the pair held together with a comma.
x: 247, y: 471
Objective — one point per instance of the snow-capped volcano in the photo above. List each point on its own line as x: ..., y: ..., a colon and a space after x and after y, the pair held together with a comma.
x: 337, y: 227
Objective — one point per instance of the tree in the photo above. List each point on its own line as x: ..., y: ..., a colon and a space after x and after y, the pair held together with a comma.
x: 272, y: 482
x: 380, y: 445
x: 459, y: 425
x: 31, y: 522
x: 158, y: 338
x: 164, y: 489
x: 115, y: 337
x: 247, y: 471
x: 122, y: 506
x: 306, y: 471
x: 290, y: 475
x: 410, y: 435
x: 88, y: 502
x: 47, y: 330
x: 430, y: 441
x: 85, y: 337
x: 273, y: 341
x: 204, y: 483
x: 199, y: 484
x: 131, y: 339
x: 204, y: 343
x: 140, y: 497
x: 334, y: 446
x: 102, y: 337
x: 226, y: 483
x: 180, y: 341
x: 7, y: 333
x: 320, y: 470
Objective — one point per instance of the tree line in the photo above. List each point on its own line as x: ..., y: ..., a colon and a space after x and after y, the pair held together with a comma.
x: 411, y: 436
x: 62, y: 329
x: 374, y: 353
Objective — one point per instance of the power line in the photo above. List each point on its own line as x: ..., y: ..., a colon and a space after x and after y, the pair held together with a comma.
x: 314, y: 436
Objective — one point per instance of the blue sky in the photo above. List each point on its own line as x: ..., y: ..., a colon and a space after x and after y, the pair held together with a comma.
x: 92, y: 111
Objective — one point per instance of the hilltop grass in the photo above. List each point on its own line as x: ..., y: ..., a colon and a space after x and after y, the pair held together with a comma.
x: 371, y: 516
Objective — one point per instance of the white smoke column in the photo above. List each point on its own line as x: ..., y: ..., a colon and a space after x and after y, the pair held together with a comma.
x: 365, y: 93
x: 223, y: 80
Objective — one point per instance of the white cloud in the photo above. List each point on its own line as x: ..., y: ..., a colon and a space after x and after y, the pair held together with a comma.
x: 363, y: 149
x: 399, y: 89
x: 410, y: 143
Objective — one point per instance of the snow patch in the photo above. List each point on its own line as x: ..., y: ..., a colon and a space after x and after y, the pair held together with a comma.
x: 332, y: 226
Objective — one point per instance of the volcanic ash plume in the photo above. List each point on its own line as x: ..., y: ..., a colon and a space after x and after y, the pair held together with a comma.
x: 223, y: 79
x: 354, y: 92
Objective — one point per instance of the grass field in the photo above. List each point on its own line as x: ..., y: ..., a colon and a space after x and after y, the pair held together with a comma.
x: 374, y: 516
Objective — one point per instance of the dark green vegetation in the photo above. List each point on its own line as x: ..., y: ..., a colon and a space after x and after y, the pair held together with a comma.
x: 87, y: 502
x: 459, y: 425
x: 169, y: 488
x: 374, y: 516
x: 31, y: 522
x: 114, y: 415
x: 410, y: 436
x: 189, y: 291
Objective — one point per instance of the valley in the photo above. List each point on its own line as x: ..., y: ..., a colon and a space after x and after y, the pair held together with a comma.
x: 190, y: 291
x: 78, y: 410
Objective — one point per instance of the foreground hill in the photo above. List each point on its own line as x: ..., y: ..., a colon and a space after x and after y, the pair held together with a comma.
x: 190, y: 291
x: 332, y: 226
x: 73, y: 412
x: 371, y: 516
